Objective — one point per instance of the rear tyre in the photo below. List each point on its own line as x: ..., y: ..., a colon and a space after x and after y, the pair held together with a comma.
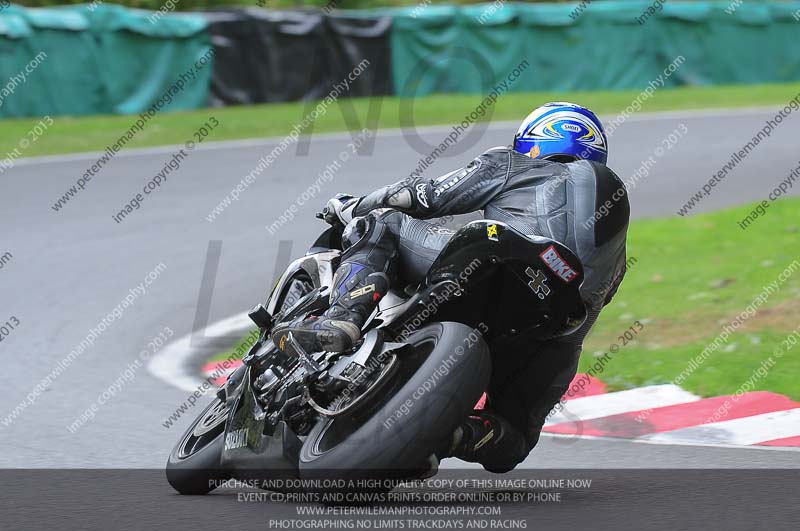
x: 194, y: 464
x: 437, y: 382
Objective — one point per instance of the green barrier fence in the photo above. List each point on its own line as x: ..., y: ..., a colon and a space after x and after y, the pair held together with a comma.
x: 604, y: 46
x: 79, y: 60
x: 109, y: 59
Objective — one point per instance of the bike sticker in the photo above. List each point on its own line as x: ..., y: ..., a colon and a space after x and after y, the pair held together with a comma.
x: 449, y: 180
x: 558, y: 265
x: 422, y: 195
x: 538, y: 282
x: 491, y: 232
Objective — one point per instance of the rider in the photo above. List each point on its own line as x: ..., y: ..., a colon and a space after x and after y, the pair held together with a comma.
x: 552, y: 182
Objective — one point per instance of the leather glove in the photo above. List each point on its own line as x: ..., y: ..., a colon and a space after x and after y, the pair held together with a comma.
x: 340, y: 208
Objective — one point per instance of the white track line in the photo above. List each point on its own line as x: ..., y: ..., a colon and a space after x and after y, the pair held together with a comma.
x: 224, y: 374
x: 173, y: 364
x: 674, y: 443
x: 596, y: 406
x: 338, y: 136
x: 743, y: 431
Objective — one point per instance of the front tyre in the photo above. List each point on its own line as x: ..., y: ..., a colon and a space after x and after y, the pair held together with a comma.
x: 194, y: 464
x: 440, y: 377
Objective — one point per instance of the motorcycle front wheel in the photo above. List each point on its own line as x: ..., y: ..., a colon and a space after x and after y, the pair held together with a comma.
x: 194, y: 464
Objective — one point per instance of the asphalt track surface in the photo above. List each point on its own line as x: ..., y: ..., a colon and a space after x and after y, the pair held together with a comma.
x: 73, y: 267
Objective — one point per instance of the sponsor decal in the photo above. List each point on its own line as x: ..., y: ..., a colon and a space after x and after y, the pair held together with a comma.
x: 440, y: 230
x: 361, y: 291
x: 448, y: 181
x: 558, y: 265
x: 439, y: 180
x: 571, y: 127
x: 573, y: 322
x: 488, y: 437
x: 491, y: 232
x: 538, y: 282
x: 236, y: 439
x: 534, y: 152
x: 422, y: 195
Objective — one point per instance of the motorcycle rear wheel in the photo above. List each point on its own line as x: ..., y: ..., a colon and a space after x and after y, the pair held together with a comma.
x: 439, y: 380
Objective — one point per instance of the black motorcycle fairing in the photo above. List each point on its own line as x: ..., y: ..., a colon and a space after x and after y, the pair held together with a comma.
x: 513, y: 283
x: 261, y: 443
x: 329, y: 240
x: 489, y: 277
x: 316, y: 301
x: 318, y: 267
x: 233, y: 385
x: 251, y: 449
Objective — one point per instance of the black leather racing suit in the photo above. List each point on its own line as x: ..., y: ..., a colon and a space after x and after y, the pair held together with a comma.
x: 581, y: 204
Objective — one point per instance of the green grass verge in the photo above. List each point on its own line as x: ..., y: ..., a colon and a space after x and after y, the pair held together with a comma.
x: 70, y: 135
x: 690, y: 277
x: 242, y: 345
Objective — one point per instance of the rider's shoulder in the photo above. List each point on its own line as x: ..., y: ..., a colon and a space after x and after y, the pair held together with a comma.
x: 499, y: 154
x: 498, y: 150
x: 600, y: 170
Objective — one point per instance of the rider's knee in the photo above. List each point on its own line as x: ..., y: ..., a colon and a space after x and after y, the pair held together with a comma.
x: 367, y: 229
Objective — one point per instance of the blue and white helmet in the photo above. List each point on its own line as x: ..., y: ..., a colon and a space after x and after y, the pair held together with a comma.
x: 563, y: 132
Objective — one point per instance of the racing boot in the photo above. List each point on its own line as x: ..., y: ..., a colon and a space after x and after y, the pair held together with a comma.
x: 339, y: 328
x: 486, y: 439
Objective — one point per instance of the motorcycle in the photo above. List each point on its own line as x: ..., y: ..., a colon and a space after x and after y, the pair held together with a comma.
x: 381, y: 409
